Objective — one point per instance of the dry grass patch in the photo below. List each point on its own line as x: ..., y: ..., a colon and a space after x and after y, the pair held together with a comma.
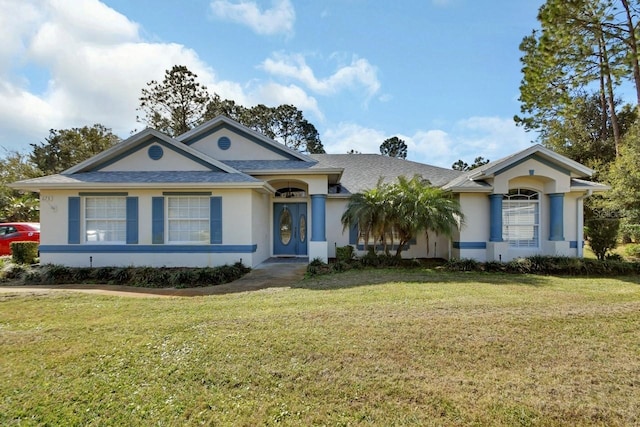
x: 372, y: 347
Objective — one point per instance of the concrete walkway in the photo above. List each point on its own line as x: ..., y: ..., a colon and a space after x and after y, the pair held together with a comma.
x: 269, y: 274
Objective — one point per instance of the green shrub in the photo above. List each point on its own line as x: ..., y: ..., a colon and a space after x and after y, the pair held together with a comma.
x: 370, y: 259
x: 495, y: 267
x: 344, y: 253
x: 57, y: 274
x: 602, y: 234
x: 519, y: 266
x: 12, y: 271
x: 464, y: 264
x: 150, y: 277
x: 317, y: 262
x: 632, y: 251
x: 24, y: 252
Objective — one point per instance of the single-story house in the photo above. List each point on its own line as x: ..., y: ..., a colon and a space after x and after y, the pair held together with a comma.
x: 223, y: 193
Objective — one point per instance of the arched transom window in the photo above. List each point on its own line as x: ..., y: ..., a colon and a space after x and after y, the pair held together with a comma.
x: 521, y: 218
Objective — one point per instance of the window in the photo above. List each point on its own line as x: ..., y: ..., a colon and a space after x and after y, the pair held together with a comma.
x: 188, y: 219
x: 105, y: 219
x: 391, y: 238
x: 289, y: 192
x: 521, y: 218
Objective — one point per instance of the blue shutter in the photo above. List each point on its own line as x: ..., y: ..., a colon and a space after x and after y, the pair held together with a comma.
x: 353, y: 234
x: 157, y: 220
x: 216, y: 220
x: 132, y: 220
x: 74, y: 220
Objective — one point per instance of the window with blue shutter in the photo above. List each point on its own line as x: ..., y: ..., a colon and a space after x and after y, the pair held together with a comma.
x: 157, y: 220
x: 216, y: 220
x: 74, y: 220
x: 132, y: 220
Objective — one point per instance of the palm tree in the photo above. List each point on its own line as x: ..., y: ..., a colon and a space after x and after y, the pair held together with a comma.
x: 366, y: 210
x: 406, y: 208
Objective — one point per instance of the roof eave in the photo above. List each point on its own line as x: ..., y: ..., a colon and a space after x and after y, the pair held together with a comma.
x: 140, y: 185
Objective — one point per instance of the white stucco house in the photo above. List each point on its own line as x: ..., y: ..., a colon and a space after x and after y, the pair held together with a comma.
x: 222, y: 193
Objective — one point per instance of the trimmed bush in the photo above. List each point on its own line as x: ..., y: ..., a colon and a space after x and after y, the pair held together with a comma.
x: 24, y: 252
x: 344, y: 253
x: 602, y: 234
x: 149, y: 277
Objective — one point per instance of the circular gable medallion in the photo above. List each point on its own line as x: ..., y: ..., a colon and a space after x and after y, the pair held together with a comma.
x: 224, y: 143
x: 155, y: 152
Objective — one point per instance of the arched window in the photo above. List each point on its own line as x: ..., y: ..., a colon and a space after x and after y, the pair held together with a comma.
x: 288, y: 192
x: 521, y: 218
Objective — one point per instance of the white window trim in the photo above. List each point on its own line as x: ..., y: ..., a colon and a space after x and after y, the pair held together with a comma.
x: 85, y: 228
x: 515, y: 244
x: 167, y: 222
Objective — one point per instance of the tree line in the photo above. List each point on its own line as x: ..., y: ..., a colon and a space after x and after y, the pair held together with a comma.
x: 576, y: 68
x: 175, y: 105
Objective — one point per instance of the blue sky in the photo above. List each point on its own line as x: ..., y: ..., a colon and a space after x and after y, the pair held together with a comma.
x: 441, y: 74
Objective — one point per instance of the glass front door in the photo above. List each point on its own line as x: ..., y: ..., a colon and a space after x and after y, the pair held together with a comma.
x: 290, y: 229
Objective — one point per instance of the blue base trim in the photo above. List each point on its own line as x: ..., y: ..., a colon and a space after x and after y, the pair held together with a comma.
x: 470, y: 245
x: 573, y: 244
x: 112, y: 249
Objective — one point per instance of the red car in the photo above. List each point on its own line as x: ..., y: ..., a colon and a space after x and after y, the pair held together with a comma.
x: 17, y: 232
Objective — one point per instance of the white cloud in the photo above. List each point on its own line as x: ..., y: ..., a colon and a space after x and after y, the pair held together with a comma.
x: 489, y: 137
x: 275, y: 94
x: 280, y: 18
x: 96, y: 64
x: 359, y: 73
x: 350, y: 136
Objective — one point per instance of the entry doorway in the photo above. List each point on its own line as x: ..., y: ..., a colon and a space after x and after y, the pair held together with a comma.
x: 290, y: 229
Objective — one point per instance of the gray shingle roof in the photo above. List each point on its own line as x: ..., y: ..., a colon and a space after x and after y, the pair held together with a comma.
x: 362, y: 171
x: 156, y: 177
x: 258, y: 165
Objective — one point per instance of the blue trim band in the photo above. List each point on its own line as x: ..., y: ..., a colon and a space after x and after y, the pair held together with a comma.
x: 470, y: 245
x: 167, y: 249
x: 246, y: 135
x: 573, y: 244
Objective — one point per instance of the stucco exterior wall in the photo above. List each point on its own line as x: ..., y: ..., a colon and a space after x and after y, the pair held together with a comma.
x: 335, y: 236
x: 241, y: 148
x: 237, y: 234
x: 552, y: 179
x: 260, y: 226
x: 139, y: 161
x: 475, y: 207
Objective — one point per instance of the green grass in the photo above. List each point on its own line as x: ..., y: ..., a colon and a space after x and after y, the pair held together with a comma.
x: 360, y: 348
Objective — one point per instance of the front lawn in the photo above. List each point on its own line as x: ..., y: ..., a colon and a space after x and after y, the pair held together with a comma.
x: 382, y: 347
